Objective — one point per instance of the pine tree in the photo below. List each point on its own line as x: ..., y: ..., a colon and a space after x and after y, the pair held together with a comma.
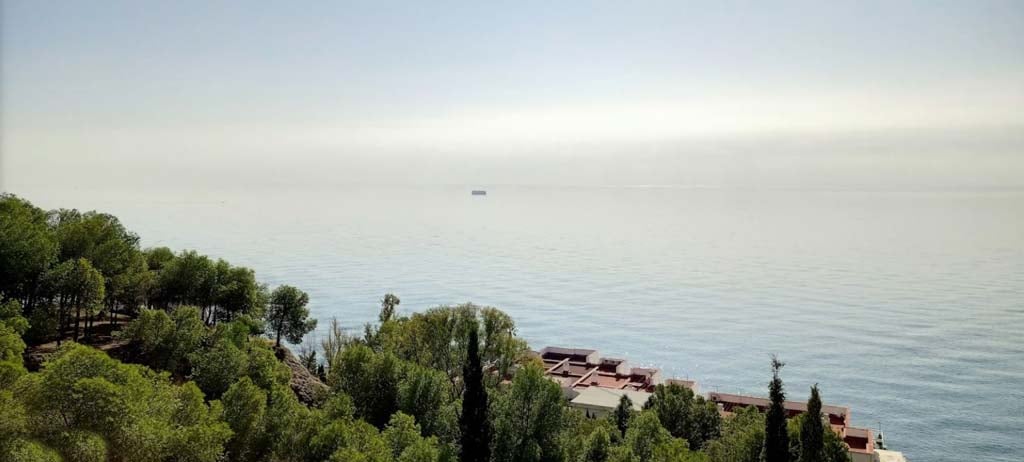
x: 476, y: 430
x: 776, y: 438
x: 812, y: 440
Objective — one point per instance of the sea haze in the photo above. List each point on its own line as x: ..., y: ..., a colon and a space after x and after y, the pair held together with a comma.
x: 906, y: 306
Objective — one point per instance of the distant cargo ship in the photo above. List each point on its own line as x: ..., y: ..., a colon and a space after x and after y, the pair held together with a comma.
x: 479, y: 192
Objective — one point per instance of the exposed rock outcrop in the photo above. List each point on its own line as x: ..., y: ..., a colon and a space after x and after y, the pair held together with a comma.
x: 307, y: 387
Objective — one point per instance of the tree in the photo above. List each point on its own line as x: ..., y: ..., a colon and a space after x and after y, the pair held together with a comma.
x: 401, y: 433
x: 11, y: 350
x: 166, y: 341
x: 27, y: 248
x: 423, y: 393
x: 622, y: 414
x: 501, y: 348
x: 387, y: 307
x: 476, y: 428
x: 836, y: 450
x: 100, y: 238
x: 307, y: 357
x: 438, y: 338
x: 77, y: 285
x: 685, y: 415
x: 676, y: 450
x: 186, y: 279
x: 527, y: 418
x: 812, y: 439
x: 12, y: 326
x: 645, y: 434
x: 381, y: 389
x: 622, y: 454
x: 11, y: 316
x: 833, y: 447
x: 334, y: 342
x: 91, y: 291
x: 742, y: 438
x: 288, y: 315
x: 22, y: 450
x: 216, y: 367
x: 598, y: 446
x: 245, y: 406
x: 423, y: 450
x: 158, y: 257
x: 263, y: 366
x: 374, y: 336
x: 85, y: 404
x: 371, y: 379
x: 238, y: 294
x: 131, y: 289
x: 776, y: 437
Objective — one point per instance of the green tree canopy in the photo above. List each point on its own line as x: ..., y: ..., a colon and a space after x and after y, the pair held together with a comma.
x: 684, y: 414
x: 216, y: 367
x: 424, y: 394
x: 158, y: 257
x: 28, y: 247
x: 77, y: 286
x: 371, y: 379
x: 527, y: 418
x: 11, y: 350
x: 438, y: 337
x: 12, y: 326
x: 166, y: 341
x: 83, y: 402
x: 288, y: 316
x: 645, y: 434
x: 11, y: 316
x: 598, y: 446
x: 240, y: 294
x: 245, y: 407
x: 101, y: 239
x: 742, y: 438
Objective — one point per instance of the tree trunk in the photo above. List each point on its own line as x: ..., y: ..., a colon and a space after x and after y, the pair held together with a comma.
x: 60, y: 322
x: 279, y: 337
x: 78, y: 318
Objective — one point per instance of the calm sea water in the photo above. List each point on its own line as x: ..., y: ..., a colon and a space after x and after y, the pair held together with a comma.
x: 908, y: 307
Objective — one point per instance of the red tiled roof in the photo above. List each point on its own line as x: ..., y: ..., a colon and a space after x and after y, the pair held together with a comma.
x: 792, y: 406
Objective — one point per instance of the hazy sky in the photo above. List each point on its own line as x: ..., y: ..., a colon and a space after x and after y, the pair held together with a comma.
x: 862, y: 93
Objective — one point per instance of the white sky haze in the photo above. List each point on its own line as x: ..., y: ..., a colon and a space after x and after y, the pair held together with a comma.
x: 685, y: 93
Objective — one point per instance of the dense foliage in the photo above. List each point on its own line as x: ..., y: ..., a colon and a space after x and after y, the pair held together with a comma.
x: 475, y: 427
x: 812, y: 431
x: 685, y: 415
x: 200, y: 375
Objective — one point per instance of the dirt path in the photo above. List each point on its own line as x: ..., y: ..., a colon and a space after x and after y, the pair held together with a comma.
x: 101, y: 337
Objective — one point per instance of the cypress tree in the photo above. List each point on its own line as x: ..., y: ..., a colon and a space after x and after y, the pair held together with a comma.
x: 622, y: 414
x: 776, y: 438
x: 812, y: 434
x: 476, y: 429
